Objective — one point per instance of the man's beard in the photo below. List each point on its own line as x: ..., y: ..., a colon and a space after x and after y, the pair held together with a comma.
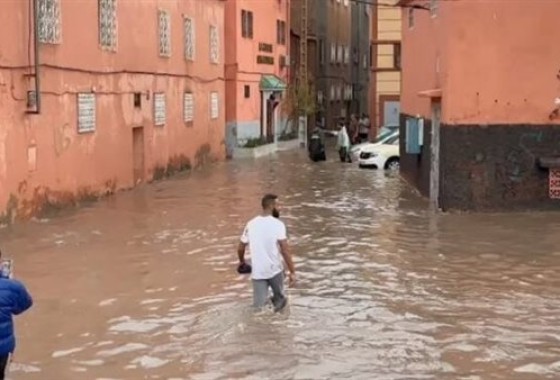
x: 276, y: 213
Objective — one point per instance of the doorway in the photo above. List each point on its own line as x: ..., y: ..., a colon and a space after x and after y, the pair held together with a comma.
x: 390, y: 110
x: 138, y: 155
x: 434, y: 162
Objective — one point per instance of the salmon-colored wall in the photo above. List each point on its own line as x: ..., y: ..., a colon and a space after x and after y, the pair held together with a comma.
x: 68, y: 164
x: 241, y: 64
x: 497, y: 65
x: 423, y: 58
x: 510, y: 77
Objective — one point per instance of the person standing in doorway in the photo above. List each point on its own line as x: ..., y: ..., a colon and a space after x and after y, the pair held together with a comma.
x: 268, y: 243
x: 14, y: 300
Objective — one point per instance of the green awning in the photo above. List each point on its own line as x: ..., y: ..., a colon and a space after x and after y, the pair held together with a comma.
x: 270, y: 82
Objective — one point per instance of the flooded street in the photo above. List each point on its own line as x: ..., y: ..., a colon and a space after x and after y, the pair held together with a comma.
x: 143, y: 285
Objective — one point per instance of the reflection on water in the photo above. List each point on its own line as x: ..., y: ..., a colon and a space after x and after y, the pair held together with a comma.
x: 143, y: 285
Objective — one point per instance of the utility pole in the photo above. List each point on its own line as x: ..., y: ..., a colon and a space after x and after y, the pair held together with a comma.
x: 303, y: 45
x: 302, y: 77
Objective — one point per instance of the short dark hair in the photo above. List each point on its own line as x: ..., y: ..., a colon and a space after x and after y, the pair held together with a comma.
x: 268, y: 200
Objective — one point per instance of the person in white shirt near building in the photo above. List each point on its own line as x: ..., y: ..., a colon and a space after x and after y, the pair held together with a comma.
x: 268, y: 243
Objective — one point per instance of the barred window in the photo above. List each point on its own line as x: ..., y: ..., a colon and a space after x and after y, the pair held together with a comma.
x: 108, y: 24
x: 164, y: 33
x: 214, y: 105
x: 49, y: 21
x: 189, y: 39
x: 214, y: 45
x: 86, y: 112
x: 160, y: 113
x: 188, y: 107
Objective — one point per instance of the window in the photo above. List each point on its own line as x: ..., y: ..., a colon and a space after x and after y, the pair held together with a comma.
x: 159, y: 109
x: 333, y: 53
x: 188, y: 107
x: 86, y: 113
x: 322, y: 52
x: 346, y: 3
x: 434, y: 5
x: 49, y: 21
x: 108, y: 24
x: 340, y: 54
x: 164, y: 24
x: 346, y: 55
x: 247, y: 91
x: 214, y: 45
x: 397, y: 55
x: 365, y: 61
x: 137, y: 100
x: 214, y: 106
x: 281, y: 32
x: 190, y: 40
x: 246, y: 24
x: 411, y: 18
x: 332, y: 94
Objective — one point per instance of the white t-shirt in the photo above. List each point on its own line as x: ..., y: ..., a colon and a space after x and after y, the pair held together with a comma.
x: 262, y: 234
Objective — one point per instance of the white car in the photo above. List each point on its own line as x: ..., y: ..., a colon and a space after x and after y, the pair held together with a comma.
x: 381, y: 139
x: 383, y: 156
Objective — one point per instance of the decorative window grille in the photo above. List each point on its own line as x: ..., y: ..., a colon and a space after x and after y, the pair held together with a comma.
x: 189, y: 39
x: 159, y: 109
x: 49, y: 21
x: 214, y: 105
x: 188, y: 107
x: 86, y: 113
x: 108, y: 24
x: 164, y: 23
x: 214, y: 45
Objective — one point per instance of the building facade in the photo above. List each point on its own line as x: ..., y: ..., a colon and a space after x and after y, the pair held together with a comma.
x: 257, y: 68
x: 329, y: 58
x: 98, y: 96
x: 361, y: 57
x: 480, y: 104
x: 385, y: 85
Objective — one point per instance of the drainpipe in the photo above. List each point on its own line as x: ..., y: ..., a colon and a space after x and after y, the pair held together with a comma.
x: 36, y: 59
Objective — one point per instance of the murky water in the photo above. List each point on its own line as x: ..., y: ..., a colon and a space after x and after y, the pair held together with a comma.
x: 143, y: 285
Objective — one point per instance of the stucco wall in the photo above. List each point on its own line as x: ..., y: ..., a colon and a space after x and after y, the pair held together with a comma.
x: 45, y: 161
x: 241, y: 53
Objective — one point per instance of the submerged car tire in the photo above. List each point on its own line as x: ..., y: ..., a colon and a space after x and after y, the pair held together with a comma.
x: 393, y: 164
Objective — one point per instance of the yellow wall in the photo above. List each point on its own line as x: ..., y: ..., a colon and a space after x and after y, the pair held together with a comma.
x: 388, y: 28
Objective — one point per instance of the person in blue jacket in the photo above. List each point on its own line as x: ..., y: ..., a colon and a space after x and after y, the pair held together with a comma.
x: 14, y: 300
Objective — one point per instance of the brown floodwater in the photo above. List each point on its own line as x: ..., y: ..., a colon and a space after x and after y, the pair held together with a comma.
x: 142, y: 285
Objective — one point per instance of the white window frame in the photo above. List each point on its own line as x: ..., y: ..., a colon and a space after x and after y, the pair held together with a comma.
x: 214, y: 35
x: 188, y: 107
x: 190, y: 38
x: 214, y: 99
x: 164, y: 29
x: 50, y: 21
x: 160, y: 121
x: 108, y: 24
x: 86, y: 112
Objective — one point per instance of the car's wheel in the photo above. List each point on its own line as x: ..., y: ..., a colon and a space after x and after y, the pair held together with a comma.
x: 393, y: 164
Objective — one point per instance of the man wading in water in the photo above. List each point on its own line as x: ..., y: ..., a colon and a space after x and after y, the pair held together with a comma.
x: 267, y: 240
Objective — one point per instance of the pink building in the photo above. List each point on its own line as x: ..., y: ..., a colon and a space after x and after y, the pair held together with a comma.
x: 480, y: 111
x: 114, y: 93
x: 256, y: 68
